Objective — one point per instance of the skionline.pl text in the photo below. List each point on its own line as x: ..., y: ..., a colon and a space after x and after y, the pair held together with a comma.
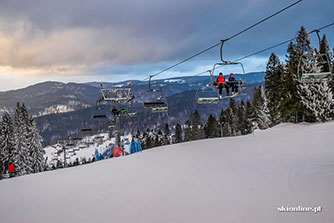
x: 315, y: 209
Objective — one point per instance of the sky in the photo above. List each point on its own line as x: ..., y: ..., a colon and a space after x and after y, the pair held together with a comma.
x: 116, y: 40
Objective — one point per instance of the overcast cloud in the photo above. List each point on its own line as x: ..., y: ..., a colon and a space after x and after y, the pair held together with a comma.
x: 117, y: 40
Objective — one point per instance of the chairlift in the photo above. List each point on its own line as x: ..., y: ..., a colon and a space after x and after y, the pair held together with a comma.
x: 120, y: 95
x: 86, y: 129
x: 99, y: 116
x: 208, y: 93
x: 315, y: 67
x: 124, y: 113
x: 155, y: 99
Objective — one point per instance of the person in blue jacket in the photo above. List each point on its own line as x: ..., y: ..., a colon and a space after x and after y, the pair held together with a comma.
x: 232, y: 82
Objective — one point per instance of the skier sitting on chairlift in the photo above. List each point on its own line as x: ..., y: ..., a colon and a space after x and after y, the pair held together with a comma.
x: 221, y: 83
x: 232, y: 82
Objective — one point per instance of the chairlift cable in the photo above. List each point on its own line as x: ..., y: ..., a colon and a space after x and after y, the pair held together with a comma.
x: 233, y: 36
x: 268, y: 48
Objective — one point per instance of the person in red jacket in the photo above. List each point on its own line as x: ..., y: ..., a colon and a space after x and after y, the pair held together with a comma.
x: 221, y: 83
x: 11, y: 170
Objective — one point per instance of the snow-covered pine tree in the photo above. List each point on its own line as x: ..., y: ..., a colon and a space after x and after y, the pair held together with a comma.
x: 260, y: 103
x: 159, y: 139
x: 21, y: 152
x: 148, y: 139
x: 233, y: 118
x: 250, y: 117
x: 36, y: 150
x: 317, y: 96
x: 178, y: 134
x: 188, y: 132
x: 318, y: 99
x: 292, y: 107
x: 331, y: 81
x: 273, y: 87
x: 212, y: 129
x: 197, y: 127
x: 325, y: 51
x: 242, y: 118
x: 224, y: 130
x: 167, y: 138
x: 229, y: 126
x: 6, y: 143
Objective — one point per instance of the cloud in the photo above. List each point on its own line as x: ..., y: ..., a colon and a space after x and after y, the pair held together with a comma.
x: 85, y: 37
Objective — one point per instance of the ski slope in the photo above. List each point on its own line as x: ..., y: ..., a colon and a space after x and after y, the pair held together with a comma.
x: 238, y: 179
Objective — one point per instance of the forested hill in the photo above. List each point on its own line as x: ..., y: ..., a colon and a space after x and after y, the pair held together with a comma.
x: 180, y: 107
x: 56, y: 97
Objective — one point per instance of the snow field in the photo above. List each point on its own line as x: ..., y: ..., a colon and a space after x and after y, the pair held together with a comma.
x: 237, y: 179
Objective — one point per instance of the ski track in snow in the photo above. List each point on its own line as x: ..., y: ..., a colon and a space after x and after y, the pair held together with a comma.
x: 237, y: 179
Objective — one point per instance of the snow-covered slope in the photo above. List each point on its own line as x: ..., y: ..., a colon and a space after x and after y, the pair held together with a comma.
x: 238, y: 179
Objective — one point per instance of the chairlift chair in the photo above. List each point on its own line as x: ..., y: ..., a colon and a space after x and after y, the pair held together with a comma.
x: 120, y: 95
x: 86, y: 129
x: 208, y: 94
x: 99, y: 116
x: 315, y: 67
x: 155, y: 99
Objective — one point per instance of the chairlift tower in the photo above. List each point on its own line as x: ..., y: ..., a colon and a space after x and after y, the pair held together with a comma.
x: 116, y: 96
x: 63, y: 147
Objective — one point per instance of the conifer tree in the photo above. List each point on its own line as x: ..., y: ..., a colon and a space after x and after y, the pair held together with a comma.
x: 36, y: 151
x: 292, y: 107
x: 188, y: 133
x: 158, y: 139
x: 21, y: 157
x: 242, y: 118
x: 273, y: 87
x: 6, y: 143
x: 197, y: 127
x: 178, y: 134
x: 212, y: 129
x: 318, y: 99
x: 166, y: 135
x: 224, y: 131
x: 232, y: 118
x: 250, y: 117
x: 325, y: 51
x: 148, y: 139
x: 262, y: 116
x: 228, y: 126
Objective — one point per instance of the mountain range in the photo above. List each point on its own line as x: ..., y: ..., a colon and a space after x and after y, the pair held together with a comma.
x: 62, y: 109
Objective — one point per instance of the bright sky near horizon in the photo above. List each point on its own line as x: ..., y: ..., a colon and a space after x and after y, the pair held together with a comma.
x: 82, y: 40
